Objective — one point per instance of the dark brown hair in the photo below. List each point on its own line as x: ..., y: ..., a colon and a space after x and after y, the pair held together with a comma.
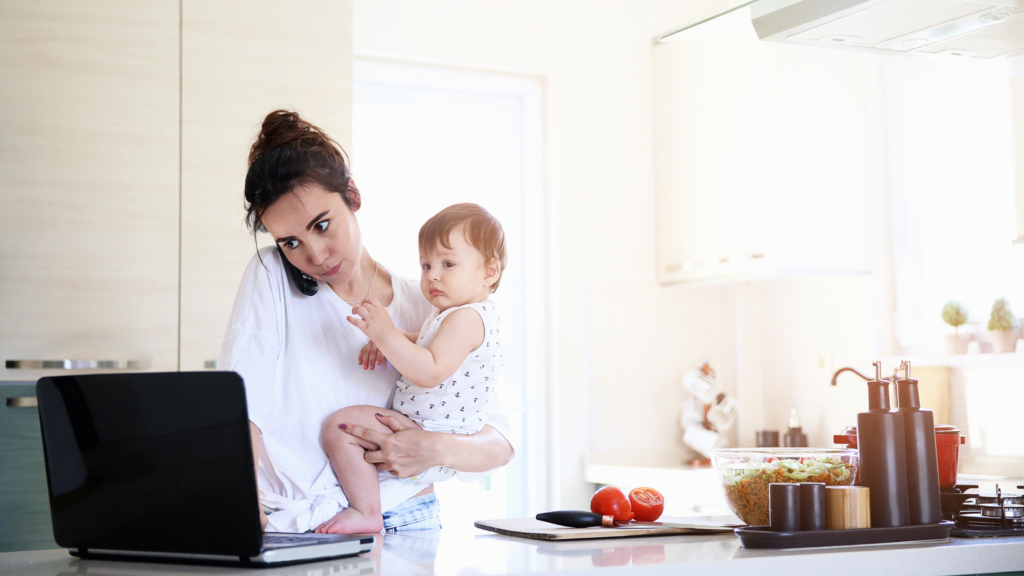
x: 290, y: 152
x: 481, y: 230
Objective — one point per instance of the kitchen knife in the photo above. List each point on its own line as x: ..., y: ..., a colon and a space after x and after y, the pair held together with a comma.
x: 580, y: 519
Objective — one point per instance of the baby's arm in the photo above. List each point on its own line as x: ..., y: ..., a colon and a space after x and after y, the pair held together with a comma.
x: 461, y: 332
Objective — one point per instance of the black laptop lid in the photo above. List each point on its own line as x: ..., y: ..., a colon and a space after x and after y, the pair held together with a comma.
x: 150, y: 462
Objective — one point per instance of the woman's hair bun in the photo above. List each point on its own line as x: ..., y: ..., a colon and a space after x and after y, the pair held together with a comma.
x: 290, y: 152
x: 286, y: 127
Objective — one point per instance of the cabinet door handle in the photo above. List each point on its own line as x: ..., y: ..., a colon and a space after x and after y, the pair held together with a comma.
x: 77, y: 364
x: 22, y: 402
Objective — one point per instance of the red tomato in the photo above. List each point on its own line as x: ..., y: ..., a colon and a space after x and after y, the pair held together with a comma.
x: 647, y: 504
x: 610, y: 501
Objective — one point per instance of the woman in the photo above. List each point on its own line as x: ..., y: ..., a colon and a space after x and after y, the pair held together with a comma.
x: 299, y: 357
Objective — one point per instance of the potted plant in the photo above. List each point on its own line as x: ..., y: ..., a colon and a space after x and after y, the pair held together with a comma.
x: 1003, y: 326
x: 955, y: 314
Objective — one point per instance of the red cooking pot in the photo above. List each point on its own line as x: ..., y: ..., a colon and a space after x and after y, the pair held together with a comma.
x: 947, y: 443
x: 947, y: 446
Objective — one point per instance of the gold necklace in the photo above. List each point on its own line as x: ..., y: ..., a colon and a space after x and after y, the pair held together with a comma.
x: 376, y: 266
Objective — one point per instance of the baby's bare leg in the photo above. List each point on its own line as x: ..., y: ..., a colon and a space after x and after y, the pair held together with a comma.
x: 357, y: 477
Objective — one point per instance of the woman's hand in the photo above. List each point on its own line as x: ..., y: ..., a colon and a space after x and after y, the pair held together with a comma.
x: 370, y: 356
x: 373, y: 318
x: 407, y: 452
x: 411, y: 451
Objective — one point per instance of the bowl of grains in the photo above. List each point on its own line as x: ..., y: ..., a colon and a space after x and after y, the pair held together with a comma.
x: 746, y: 473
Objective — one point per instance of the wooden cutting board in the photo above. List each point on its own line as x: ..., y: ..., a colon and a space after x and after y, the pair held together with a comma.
x: 537, y: 530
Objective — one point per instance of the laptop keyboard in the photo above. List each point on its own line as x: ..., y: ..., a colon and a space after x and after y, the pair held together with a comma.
x: 287, y: 540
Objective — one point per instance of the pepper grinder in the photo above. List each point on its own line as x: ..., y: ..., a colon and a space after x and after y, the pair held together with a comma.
x: 882, y: 443
x: 922, y: 460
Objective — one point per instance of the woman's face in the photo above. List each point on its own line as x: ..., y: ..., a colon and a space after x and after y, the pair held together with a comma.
x: 317, y: 232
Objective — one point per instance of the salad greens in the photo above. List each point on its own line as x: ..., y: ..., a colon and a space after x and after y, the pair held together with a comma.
x: 747, y: 488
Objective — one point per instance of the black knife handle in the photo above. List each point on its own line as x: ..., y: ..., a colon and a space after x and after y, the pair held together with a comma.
x: 572, y: 518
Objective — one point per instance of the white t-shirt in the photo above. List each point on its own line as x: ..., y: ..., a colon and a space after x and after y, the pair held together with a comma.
x: 298, y: 356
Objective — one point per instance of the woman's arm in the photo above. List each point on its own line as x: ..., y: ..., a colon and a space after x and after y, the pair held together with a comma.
x: 411, y: 451
x: 254, y: 436
x: 480, y: 452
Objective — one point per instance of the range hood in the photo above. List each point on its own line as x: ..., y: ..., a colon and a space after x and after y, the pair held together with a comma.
x: 966, y: 28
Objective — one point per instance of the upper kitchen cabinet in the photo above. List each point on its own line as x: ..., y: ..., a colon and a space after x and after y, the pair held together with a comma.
x: 237, y: 66
x: 88, y: 184
x: 765, y: 155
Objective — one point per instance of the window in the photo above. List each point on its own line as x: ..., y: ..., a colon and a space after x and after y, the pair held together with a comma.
x: 954, y: 219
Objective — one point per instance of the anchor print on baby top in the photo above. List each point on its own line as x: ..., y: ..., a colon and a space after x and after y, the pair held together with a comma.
x: 463, y: 401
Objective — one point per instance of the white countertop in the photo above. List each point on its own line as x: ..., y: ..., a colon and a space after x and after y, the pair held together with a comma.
x: 461, y: 552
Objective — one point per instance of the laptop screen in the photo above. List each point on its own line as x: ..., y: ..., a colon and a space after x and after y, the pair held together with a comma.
x: 157, y: 462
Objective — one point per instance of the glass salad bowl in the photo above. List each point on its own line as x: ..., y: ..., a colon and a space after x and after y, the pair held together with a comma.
x: 746, y: 473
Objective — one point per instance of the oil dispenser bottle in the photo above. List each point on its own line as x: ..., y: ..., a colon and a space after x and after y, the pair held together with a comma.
x: 881, y: 439
x: 922, y: 462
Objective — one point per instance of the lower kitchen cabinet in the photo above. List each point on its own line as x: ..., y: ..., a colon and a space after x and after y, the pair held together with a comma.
x: 25, y: 517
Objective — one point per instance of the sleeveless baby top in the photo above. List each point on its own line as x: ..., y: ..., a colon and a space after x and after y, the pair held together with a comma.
x: 462, y: 403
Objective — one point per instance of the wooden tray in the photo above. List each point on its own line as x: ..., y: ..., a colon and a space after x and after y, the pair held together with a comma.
x: 537, y: 530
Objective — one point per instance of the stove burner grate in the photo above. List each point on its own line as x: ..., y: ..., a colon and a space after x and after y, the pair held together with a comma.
x: 972, y: 523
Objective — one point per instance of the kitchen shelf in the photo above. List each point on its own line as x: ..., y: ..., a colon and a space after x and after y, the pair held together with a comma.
x: 960, y: 360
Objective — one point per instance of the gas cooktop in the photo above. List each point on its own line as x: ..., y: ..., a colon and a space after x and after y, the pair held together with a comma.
x: 983, y: 515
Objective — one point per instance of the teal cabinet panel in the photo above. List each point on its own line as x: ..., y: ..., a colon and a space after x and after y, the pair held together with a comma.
x: 24, y: 504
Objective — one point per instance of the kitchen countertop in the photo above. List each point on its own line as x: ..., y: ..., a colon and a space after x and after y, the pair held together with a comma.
x: 471, y: 551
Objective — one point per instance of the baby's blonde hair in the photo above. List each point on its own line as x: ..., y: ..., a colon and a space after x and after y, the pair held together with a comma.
x: 481, y: 230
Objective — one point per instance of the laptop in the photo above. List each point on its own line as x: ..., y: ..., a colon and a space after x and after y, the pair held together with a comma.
x: 158, y: 466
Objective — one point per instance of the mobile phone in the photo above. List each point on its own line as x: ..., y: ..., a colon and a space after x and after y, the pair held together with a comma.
x: 304, y: 283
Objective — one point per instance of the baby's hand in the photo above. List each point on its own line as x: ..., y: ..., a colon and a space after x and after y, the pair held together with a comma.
x: 373, y: 318
x: 370, y: 356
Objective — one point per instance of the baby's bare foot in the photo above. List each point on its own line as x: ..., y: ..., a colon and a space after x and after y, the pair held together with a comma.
x: 352, y: 521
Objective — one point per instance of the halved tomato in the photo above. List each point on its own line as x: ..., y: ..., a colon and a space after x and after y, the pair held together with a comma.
x: 610, y: 501
x: 647, y: 504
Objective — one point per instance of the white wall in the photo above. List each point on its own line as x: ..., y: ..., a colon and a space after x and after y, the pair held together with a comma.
x: 1016, y: 66
x: 619, y: 343
x: 807, y: 328
x: 984, y: 404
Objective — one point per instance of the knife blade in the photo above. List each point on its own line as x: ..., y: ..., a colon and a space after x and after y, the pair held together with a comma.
x: 580, y: 519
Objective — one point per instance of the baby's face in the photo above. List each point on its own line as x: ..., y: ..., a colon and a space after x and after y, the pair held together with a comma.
x: 454, y: 277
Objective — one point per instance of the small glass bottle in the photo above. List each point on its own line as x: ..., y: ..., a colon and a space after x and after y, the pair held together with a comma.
x: 795, y: 437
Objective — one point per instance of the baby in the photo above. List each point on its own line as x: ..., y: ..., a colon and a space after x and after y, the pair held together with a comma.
x: 448, y: 369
